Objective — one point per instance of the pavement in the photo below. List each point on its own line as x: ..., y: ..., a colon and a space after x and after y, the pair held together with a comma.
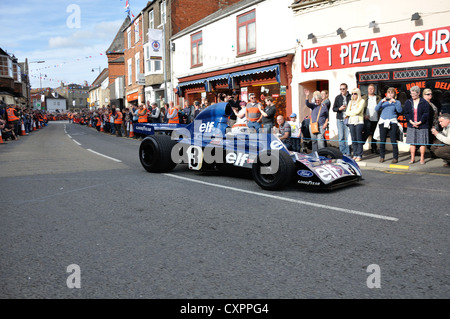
x: 431, y: 166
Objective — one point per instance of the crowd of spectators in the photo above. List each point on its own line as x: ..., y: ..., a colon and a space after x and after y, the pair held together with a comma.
x: 115, y: 121
x: 17, y: 121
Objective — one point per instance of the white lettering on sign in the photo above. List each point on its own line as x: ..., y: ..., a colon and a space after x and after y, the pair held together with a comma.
x: 437, y: 43
x: 206, y: 127
x: 405, y: 47
x: 352, y: 51
x: 310, y: 62
x: 364, y: 57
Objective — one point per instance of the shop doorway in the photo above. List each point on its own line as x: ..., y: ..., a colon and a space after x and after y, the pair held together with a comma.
x: 312, y: 86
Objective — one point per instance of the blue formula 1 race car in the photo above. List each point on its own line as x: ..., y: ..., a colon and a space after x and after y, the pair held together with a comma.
x: 208, y: 143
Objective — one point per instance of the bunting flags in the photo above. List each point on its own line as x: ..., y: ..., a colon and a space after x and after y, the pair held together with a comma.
x: 128, y: 9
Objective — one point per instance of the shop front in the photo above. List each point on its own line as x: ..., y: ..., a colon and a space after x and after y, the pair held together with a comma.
x: 133, y: 99
x: 400, y: 60
x: 155, y: 94
x: 268, y: 78
x: 434, y: 77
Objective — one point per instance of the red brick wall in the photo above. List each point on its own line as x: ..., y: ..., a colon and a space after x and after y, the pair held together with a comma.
x: 187, y: 12
x: 115, y: 69
x: 136, y: 47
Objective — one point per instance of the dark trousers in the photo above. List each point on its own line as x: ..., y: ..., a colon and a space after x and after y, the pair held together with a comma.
x: 392, y: 131
x: 357, y: 139
x: 118, y: 128
x: 369, y: 129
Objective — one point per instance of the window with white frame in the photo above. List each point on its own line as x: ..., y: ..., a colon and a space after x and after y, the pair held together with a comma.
x: 246, y: 32
x: 137, y: 61
x: 136, y: 31
x: 197, y: 49
x: 162, y: 8
x: 130, y: 70
x: 151, y: 66
x: 151, y: 20
x: 129, y: 38
x: 17, y: 73
x: 6, y: 66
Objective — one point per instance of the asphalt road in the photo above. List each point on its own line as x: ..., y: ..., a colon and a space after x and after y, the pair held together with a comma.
x: 195, y: 235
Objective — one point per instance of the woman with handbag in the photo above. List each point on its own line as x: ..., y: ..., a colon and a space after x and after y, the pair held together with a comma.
x: 417, y: 112
x: 319, y: 120
x: 388, y: 123
x: 355, y: 115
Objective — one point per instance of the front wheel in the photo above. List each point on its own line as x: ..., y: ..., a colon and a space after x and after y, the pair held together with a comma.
x: 273, y: 170
x: 330, y: 152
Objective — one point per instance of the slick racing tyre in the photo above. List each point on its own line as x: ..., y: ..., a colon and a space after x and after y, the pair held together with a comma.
x: 155, y: 153
x: 273, y: 170
x: 330, y: 152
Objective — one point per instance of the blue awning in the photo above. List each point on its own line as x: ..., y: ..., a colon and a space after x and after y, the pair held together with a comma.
x: 229, y: 77
x: 182, y: 84
x: 270, y: 68
x: 219, y: 77
x: 200, y: 81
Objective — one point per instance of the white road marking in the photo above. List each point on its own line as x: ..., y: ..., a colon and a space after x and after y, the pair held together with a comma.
x: 111, y: 158
x: 343, y: 210
x: 76, y: 142
x: 69, y: 136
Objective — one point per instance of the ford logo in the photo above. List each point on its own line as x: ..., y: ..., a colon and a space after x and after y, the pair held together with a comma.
x: 304, y: 173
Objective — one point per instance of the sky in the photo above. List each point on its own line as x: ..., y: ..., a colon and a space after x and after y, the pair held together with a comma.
x: 71, y: 36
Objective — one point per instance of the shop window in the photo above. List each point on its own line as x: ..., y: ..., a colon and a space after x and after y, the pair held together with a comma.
x: 246, y: 33
x: 197, y: 49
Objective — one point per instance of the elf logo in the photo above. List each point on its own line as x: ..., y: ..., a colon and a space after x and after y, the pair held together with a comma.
x: 238, y: 159
x: 206, y: 127
x: 329, y: 172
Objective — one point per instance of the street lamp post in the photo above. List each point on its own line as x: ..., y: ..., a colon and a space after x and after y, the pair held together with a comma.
x: 40, y: 76
x: 99, y: 70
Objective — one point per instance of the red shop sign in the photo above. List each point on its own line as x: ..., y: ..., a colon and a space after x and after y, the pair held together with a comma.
x: 422, y: 45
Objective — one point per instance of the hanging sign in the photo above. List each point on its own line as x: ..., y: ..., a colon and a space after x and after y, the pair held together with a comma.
x: 400, y: 48
x: 155, y: 39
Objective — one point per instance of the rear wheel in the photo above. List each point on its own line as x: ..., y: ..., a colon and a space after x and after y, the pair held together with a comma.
x: 273, y: 170
x: 155, y: 153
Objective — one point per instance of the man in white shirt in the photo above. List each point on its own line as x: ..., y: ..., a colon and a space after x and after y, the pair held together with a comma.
x: 371, y: 116
x: 296, y: 130
x: 443, y: 138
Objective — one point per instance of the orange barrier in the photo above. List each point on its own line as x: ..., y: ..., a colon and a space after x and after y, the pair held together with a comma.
x: 131, y: 130
x: 23, y: 132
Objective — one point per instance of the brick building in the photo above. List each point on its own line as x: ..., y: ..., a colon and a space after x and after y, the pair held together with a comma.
x: 13, y: 84
x: 172, y: 16
x: 116, y: 67
x: 134, y: 65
